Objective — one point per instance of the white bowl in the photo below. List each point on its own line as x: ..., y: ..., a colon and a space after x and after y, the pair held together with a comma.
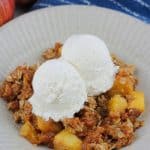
x: 23, y: 40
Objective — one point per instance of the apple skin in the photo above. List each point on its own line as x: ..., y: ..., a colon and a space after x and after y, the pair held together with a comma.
x: 7, y: 8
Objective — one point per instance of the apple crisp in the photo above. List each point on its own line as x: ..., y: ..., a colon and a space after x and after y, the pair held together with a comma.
x: 107, y: 121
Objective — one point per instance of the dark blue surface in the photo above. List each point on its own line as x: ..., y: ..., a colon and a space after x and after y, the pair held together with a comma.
x: 137, y: 8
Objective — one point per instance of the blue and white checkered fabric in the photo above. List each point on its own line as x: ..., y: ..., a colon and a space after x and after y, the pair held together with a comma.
x: 137, y: 8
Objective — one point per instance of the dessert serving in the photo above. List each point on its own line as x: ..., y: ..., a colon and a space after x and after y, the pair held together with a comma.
x: 78, y: 98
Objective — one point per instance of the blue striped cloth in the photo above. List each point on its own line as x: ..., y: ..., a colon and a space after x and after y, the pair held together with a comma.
x: 137, y: 8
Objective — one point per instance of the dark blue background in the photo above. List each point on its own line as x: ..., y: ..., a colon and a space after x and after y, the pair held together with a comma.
x: 137, y: 8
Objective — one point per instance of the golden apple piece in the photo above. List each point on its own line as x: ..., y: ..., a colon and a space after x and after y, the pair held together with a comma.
x: 65, y: 140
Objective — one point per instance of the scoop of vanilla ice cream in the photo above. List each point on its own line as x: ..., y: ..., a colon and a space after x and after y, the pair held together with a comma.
x: 90, y: 56
x: 59, y: 91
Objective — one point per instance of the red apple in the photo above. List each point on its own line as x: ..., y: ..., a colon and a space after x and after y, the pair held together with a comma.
x: 6, y: 10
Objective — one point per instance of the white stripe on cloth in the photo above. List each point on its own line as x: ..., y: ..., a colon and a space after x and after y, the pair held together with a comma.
x: 128, y: 10
x: 143, y: 3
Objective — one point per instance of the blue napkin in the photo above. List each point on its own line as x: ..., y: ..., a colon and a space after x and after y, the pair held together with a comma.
x: 137, y: 8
